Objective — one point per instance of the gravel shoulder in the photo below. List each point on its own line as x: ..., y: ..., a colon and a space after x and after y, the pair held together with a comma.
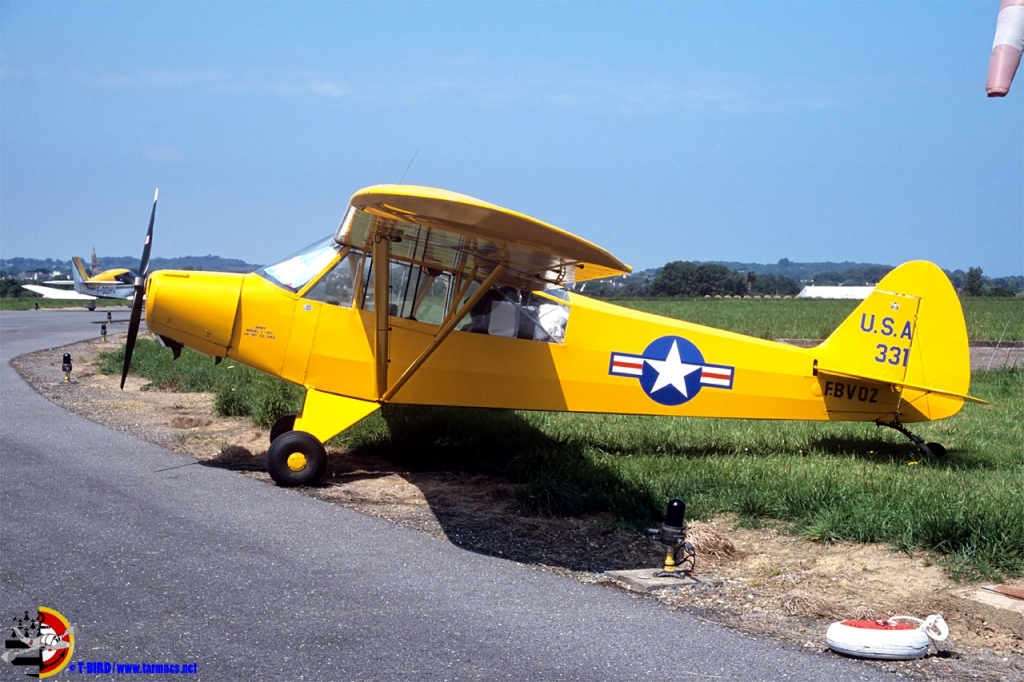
x: 766, y: 581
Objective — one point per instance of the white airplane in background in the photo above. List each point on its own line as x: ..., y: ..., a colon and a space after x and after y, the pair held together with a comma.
x: 114, y: 283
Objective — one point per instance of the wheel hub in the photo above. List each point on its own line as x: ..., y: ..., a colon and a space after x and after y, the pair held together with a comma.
x: 296, y: 461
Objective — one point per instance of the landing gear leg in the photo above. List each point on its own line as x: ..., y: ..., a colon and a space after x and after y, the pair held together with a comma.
x: 926, y: 449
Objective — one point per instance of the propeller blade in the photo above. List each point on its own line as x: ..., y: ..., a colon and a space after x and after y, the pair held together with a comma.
x: 133, y: 331
x: 144, y: 262
x: 140, y: 294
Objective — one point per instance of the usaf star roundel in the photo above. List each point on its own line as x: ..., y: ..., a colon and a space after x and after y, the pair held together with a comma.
x: 671, y: 370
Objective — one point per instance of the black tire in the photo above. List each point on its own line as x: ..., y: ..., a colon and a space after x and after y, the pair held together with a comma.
x: 936, y: 449
x: 284, y: 424
x: 296, y: 458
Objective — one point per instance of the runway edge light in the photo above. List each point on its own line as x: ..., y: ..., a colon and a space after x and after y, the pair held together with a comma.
x: 66, y: 367
x: 680, y: 557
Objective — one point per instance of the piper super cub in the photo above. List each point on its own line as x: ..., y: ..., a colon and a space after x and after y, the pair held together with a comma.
x: 428, y: 297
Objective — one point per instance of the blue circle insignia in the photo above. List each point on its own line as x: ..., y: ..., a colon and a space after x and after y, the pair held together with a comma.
x: 672, y: 370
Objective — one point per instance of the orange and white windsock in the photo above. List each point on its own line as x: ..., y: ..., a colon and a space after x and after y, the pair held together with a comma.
x: 1006, y: 47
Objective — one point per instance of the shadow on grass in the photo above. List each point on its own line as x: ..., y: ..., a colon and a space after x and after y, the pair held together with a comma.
x: 494, y: 483
x: 874, y: 449
x: 498, y: 485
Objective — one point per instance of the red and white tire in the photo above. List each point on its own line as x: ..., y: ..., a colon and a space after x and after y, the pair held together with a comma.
x: 883, y: 639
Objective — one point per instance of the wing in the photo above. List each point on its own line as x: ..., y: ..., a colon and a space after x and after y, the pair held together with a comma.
x: 50, y: 292
x: 457, y: 233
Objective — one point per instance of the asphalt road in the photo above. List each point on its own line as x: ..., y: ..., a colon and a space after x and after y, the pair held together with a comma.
x: 158, y: 561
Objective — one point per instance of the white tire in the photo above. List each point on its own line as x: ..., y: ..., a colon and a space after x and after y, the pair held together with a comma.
x: 886, y: 640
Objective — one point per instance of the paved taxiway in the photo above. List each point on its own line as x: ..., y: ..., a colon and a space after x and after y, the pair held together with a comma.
x: 156, y: 560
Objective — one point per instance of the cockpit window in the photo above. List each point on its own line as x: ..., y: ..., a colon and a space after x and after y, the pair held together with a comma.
x: 417, y: 292
x: 505, y: 311
x: 337, y: 285
x: 296, y: 271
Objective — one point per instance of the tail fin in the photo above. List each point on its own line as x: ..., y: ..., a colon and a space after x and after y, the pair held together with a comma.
x: 79, y: 273
x: 908, y: 333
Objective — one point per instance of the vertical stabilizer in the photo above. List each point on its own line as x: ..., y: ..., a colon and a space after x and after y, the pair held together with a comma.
x: 910, y: 333
x: 79, y: 275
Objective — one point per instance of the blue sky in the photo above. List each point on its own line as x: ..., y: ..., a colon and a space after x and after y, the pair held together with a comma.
x: 662, y: 131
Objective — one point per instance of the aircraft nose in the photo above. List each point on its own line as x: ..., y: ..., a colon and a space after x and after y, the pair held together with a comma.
x: 196, y: 309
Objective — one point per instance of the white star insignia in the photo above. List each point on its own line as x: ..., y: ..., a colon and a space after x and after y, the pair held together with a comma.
x: 672, y: 371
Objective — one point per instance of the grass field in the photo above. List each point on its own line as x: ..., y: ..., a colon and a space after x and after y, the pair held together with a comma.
x: 988, y: 319
x: 830, y: 481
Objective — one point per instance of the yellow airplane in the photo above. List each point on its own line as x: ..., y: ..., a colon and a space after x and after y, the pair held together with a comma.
x: 428, y: 297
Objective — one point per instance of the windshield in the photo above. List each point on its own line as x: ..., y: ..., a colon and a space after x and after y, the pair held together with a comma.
x: 295, y: 271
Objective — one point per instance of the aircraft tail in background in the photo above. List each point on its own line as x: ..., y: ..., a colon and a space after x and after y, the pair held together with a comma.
x: 79, y: 273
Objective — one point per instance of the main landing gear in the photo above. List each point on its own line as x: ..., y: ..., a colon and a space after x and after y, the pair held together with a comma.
x: 296, y: 458
x: 926, y: 449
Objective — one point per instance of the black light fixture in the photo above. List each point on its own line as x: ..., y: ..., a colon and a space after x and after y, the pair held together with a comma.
x: 66, y: 366
x: 680, y: 558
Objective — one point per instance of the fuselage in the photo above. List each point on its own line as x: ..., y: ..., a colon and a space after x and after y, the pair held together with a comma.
x: 610, y: 360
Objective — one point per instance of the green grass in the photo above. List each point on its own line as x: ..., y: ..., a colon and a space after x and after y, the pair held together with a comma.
x: 994, y: 319
x: 830, y: 481
x: 238, y: 390
x: 988, y: 319
x: 765, y: 319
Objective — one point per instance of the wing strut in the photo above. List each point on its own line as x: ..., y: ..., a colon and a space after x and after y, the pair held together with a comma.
x: 382, y: 307
x: 446, y: 328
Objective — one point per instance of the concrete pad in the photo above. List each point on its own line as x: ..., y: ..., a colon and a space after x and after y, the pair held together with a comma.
x: 996, y: 608
x: 644, y: 580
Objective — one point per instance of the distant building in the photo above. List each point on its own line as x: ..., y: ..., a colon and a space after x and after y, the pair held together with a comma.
x: 835, y: 292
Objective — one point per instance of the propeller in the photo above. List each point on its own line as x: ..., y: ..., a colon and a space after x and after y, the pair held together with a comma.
x: 140, y: 294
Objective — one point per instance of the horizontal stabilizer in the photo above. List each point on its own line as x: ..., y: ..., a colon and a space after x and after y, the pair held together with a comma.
x: 904, y: 384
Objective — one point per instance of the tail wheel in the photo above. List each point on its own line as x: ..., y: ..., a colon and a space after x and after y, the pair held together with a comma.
x: 296, y: 458
x: 283, y: 425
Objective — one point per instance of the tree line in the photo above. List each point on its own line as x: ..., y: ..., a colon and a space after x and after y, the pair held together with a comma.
x: 689, y: 279
x: 45, y: 267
